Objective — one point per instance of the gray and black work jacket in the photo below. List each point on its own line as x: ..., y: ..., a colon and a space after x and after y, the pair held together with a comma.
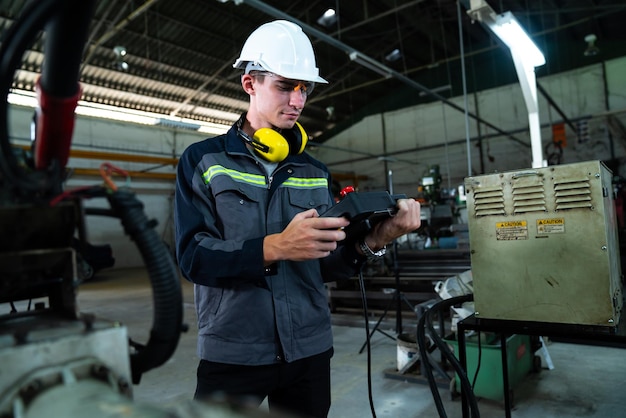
x: 225, y: 205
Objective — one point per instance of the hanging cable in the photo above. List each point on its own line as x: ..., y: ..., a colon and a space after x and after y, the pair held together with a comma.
x: 466, y: 105
x: 367, y: 342
x: 443, y: 108
x: 400, y: 43
x: 106, y: 169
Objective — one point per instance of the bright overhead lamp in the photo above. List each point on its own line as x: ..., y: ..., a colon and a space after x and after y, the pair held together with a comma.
x: 507, y: 28
x: 120, y: 63
x: 526, y: 56
x: 394, y: 55
x: 328, y: 19
x: 119, y: 51
x: 369, y: 63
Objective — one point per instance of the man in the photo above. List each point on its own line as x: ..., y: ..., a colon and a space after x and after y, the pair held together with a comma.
x: 250, y: 238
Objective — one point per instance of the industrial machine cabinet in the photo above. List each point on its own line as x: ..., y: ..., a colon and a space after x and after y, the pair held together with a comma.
x: 544, y: 245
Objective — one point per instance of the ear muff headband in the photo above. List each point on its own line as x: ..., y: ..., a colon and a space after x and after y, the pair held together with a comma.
x: 300, y: 139
x: 274, y: 146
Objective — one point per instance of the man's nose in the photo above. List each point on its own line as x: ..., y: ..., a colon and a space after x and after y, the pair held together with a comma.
x: 297, y: 98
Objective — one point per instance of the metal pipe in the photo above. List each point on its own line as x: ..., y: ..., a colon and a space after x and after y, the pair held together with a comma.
x: 132, y: 174
x: 97, y: 155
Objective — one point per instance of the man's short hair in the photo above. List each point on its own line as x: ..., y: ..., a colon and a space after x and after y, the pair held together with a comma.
x: 253, y: 66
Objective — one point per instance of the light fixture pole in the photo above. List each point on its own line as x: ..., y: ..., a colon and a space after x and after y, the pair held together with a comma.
x: 526, y: 56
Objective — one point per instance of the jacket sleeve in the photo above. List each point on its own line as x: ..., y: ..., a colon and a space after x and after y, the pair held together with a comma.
x: 204, y: 257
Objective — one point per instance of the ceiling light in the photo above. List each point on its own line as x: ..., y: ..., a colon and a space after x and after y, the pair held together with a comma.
x: 508, y: 29
x: 394, y: 55
x: 328, y: 19
x: 121, y: 65
x: 119, y: 62
x: 592, y: 49
x: 119, y: 51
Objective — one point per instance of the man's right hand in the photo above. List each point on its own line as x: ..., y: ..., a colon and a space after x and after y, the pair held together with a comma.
x: 306, y: 237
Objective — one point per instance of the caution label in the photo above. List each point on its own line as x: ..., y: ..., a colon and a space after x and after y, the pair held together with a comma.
x: 551, y: 226
x: 511, y: 230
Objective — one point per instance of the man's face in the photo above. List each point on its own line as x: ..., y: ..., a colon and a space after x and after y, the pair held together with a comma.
x: 276, y: 101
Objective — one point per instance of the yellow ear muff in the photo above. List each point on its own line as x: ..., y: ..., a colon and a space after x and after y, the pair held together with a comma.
x: 277, y: 145
x: 300, y: 143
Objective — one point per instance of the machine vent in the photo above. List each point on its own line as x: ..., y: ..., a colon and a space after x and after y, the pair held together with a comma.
x: 529, y: 198
x: 572, y: 194
x: 488, y: 201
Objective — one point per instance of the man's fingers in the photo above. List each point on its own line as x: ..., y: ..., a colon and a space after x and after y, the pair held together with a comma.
x: 311, y: 213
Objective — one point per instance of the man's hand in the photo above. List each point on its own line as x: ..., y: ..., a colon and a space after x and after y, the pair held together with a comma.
x: 306, y: 237
x: 407, y: 219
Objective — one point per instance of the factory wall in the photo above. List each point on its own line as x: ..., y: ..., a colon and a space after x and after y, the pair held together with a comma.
x: 414, y: 139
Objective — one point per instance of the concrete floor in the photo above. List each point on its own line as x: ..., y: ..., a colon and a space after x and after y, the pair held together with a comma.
x: 587, y: 381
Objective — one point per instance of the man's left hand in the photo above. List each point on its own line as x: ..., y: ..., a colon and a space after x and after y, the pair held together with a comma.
x: 407, y: 219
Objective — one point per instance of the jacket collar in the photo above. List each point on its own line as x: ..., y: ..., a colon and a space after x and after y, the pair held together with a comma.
x: 233, y: 143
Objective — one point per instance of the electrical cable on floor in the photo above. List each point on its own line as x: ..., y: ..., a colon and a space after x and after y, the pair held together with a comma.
x: 425, y: 322
x: 428, y: 371
x: 367, y: 342
x: 447, y: 352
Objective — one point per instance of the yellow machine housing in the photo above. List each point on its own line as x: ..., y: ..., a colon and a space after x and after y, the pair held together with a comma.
x: 544, y: 245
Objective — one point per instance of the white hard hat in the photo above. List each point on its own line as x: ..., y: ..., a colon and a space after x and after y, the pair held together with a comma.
x: 280, y: 47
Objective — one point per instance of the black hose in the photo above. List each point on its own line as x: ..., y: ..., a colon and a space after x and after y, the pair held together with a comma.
x: 66, y: 23
x: 445, y: 350
x: 424, y: 322
x: 16, y: 40
x: 66, y: 35
x: 167, y: 322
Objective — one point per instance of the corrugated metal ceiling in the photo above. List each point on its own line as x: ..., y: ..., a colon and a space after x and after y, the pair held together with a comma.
x: 180, y: 53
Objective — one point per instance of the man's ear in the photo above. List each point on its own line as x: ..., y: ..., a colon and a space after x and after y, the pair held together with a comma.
x: 247, y: 83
